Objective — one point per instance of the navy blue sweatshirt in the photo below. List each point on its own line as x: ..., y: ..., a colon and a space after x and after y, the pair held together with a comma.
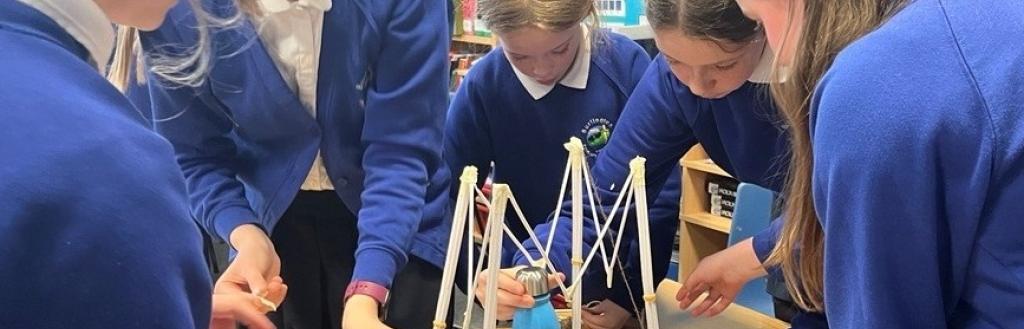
x: 246, y: 143
x: 662, y: 120
x: 918, y: 134
x: 94, y: 223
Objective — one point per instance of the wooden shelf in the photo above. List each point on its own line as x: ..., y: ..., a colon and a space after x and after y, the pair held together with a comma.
x: 635, y: 32
x: 474, y: 39
x: 717, y: 223
x: 701, y: 233
x: 705, y: 165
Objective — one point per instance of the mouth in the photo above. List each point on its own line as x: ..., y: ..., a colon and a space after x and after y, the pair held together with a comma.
x: 547, y: 82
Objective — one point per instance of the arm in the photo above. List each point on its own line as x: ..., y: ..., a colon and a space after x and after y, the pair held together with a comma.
x: 198, y: 128
x: 405, y: 111
x: 897, y: 238
x: 467, y: 138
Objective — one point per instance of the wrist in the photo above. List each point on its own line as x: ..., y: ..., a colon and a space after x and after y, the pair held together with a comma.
x: 751, y: 265
x: 360, y: 291
x: 247, y: 235
x: 364, y: 302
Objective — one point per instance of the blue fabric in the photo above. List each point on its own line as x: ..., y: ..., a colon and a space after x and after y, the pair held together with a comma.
x: 919, y: 170
x: 493, y: 119
x: 661, y: 121
x: 94, y: 228
x: 245, y: 142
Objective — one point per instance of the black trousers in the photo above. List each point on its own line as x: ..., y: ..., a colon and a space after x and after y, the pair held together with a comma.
x: 316, y: 240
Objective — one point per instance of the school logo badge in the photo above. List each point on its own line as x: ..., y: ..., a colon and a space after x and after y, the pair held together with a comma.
x: 596, y: 134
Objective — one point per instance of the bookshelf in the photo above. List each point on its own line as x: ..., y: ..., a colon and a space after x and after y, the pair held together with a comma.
x: 475, y: 40
x: 701, y: 233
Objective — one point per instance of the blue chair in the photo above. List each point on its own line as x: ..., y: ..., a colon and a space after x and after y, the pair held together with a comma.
x: 752, y: 215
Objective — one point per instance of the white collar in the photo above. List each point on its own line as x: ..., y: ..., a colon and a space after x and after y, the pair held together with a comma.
x: 763, y: 72
x: 276, y: 6
x: 84, y: 21
x: 575, y: 78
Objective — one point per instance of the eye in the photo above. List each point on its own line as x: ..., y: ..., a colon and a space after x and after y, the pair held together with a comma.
x: 723, y: 67
x: 518, y: 57
x: 561, y: 51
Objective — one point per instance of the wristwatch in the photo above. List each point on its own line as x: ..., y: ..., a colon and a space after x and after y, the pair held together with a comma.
x: 374, y: 290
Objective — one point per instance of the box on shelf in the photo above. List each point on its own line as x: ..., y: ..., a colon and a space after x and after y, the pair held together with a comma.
x: 721, y: 193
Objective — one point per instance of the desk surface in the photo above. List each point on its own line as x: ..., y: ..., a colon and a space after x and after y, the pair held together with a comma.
x: 734, y: 317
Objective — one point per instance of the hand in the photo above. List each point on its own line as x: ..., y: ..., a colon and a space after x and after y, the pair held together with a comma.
x: 256, y: 263
x: 605, y: 315
x: 249, y: 309
x: 361, y: 313
x: 721, y: 275
x: 511, y: 293
x: 229, y: 309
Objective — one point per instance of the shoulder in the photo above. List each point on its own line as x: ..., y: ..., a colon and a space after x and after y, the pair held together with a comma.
x: 885, y: 79
x: 493, y: 70
x: 618, y: 49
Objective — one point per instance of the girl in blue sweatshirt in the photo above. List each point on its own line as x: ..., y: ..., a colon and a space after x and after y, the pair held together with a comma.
x: 552, y: 77
x: 708, y: 87
x: 907, y: 213
x: 314, y: 149
x: 94, y: 228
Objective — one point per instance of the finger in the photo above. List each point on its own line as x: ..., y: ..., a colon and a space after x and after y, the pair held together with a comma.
x: 720, y: 306
x: 223, y: 324
x: 227, y: 286
x: 510, y: 284
x: 276, y: 291
x: 553, y: 279
x: 683, y: 289
x: 508, y: 299
x: 255, y: 281
x: 710, y: 300
x: 275, y: 266
x: 242, y: 308
x: 593, y: 321
x: 690, y: 295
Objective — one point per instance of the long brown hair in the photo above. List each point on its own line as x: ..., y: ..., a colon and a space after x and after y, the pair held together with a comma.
x: 828, y: 27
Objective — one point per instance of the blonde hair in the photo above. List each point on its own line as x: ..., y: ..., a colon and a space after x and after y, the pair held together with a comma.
x: 829, y: 26
x: 502, y: 16
x: 188, y: 69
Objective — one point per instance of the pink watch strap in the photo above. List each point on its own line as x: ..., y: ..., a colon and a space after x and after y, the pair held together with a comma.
x: 375, y: 291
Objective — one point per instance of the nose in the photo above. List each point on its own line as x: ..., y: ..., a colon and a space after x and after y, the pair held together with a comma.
x: 703, y: 86
x: 542, y: 71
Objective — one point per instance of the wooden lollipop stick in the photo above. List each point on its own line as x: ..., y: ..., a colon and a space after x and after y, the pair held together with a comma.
x: 467, y: 181
x: 637, y: 169
x: 495, y: 219
x: 576, y: 155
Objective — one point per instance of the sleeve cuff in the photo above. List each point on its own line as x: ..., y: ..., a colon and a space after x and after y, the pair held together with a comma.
x: 229, y: 218
x: 765, y: 241
x: 377, y: 266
